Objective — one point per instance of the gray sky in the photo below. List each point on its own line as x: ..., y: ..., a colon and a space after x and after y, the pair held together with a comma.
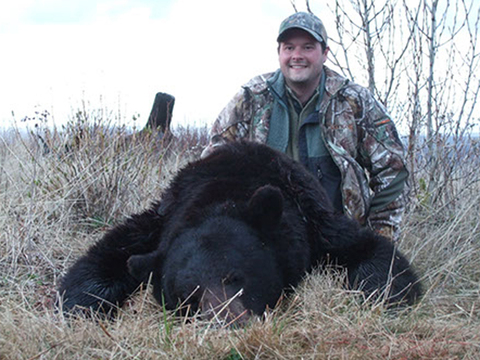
x: 117, y: 54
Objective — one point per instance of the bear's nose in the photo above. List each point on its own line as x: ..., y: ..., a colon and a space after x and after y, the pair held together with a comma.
x: 218, y: 306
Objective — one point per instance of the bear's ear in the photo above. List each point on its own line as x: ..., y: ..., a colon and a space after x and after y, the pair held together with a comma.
x: 265, y: 207
x: 140, y: 266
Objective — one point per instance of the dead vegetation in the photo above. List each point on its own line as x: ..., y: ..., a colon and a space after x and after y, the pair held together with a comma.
x: 54, y: 205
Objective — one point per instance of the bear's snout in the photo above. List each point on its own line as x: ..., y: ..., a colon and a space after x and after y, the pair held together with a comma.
x: 217, y: 305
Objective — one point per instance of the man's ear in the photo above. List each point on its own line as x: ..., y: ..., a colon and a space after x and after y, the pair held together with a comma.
x: 140, y: 266
x: 327, y: 50
x: 265, y: 207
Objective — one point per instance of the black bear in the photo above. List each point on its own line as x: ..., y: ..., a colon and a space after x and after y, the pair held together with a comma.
x: 243, y: 225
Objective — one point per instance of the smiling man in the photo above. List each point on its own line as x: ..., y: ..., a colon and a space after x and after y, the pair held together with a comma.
x: 331, y: 125
x: 301, y: 59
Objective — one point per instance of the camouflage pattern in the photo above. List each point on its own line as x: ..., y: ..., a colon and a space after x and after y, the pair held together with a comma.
x: 358, y: 133
x: 305, y: 21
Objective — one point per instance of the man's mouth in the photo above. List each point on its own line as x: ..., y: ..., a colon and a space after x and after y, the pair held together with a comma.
x: 298, y: 66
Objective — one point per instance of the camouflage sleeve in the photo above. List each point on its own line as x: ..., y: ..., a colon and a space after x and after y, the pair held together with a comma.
x: 231, y: 124
x: 382, y: 153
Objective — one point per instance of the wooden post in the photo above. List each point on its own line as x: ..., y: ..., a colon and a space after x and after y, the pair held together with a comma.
x: 161, y: 114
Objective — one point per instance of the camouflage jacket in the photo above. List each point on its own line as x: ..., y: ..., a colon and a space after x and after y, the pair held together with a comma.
x: 357, y: 131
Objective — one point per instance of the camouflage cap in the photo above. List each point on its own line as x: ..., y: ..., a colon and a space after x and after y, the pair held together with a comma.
x: 305, y: 21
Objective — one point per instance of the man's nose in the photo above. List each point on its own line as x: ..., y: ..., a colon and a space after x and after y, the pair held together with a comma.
x: 297, y: 53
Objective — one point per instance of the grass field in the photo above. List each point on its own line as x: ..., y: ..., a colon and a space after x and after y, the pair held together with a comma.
x: 56, y: 203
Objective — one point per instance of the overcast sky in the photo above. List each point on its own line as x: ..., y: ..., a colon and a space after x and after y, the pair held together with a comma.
x: 119, y: 53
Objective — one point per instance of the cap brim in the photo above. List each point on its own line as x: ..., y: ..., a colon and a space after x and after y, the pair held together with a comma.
x: 317, y: 37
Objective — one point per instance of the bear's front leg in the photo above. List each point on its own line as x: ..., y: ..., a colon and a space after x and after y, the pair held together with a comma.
x: 100, y: 279
x: 383, y: 271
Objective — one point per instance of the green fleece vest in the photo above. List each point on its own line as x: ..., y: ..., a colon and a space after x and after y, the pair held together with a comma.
x: 295, y: 130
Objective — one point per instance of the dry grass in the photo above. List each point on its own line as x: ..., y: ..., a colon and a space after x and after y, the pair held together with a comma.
x: 53, y: 206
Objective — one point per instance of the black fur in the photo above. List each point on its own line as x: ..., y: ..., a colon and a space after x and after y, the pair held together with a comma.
x: 245, y: 221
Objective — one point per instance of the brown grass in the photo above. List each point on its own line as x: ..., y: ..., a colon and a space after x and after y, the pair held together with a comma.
x: 54, y: 205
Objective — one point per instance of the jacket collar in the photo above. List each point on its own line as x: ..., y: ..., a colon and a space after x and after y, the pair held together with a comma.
x: 276, y: 84
x: 334, y: 81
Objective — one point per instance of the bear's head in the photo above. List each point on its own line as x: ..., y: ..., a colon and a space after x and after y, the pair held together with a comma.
x: 225, y: 265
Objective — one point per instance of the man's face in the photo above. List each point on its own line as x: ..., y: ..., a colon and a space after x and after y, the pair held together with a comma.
x: 301, y: 58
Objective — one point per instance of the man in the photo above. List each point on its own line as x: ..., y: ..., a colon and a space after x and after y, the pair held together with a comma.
x: 331, y: 125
